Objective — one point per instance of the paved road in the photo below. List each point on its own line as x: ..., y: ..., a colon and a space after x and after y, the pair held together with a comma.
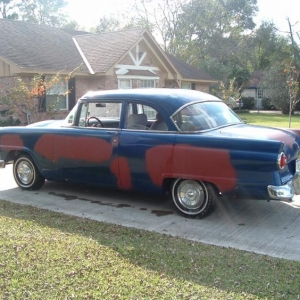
x: 268, y: 228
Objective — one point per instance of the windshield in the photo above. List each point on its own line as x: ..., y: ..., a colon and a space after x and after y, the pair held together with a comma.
x: 204, y: 116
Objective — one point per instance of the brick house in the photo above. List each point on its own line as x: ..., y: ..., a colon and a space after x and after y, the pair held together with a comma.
x: 116, y: 60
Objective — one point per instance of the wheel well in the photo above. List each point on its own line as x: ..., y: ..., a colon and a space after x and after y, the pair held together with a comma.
x: 167, y: 184
x: 12, y: 155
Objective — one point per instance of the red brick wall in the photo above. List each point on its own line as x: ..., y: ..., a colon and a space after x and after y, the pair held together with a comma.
x: 203, y: 87
x: 85, y: 84
x: 6, y: 83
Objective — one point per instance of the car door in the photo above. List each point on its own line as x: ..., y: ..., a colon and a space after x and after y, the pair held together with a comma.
x: 85, y: 152
x: 143, y: 153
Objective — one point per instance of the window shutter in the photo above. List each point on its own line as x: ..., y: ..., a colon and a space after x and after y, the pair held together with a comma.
x: 193, y: 86
x: 72, y: 94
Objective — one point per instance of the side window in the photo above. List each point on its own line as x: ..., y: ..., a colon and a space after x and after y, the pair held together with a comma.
x: 100, y: 115
x: 144, y: 117
x: 136, y: 119
x: 149, y: 111
x: 159, y: 123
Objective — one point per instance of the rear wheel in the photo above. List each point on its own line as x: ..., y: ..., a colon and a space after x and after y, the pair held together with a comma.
x: 193, y: 198
x: 26, y: 174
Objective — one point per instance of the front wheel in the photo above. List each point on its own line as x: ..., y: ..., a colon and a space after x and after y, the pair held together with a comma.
x: 26, y: 174
x: 193, y: 198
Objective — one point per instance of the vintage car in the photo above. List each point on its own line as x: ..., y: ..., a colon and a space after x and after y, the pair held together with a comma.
x: 185, y: 143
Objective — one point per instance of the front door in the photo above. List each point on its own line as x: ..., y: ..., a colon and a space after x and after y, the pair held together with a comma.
x: 86, y: 151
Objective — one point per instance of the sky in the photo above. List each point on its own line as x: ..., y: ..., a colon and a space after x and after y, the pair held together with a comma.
x: 278, y: 10
x: 88, y: 12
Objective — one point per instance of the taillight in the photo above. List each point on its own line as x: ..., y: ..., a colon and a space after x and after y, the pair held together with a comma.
x: 281, y: 161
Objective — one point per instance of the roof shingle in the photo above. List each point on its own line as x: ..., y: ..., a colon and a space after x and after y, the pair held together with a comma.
x: 38, y: 47
x: 187, y: 71
x: 44, y: 48
x: 104, y: 50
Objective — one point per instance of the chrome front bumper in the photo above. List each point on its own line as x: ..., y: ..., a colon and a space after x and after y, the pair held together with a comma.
x: 2, y: 163
x: 285, y: 192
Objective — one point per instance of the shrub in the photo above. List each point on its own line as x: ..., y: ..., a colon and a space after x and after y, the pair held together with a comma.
x: 248, y: 102
x: 267, y: 104
x: 10, y: 122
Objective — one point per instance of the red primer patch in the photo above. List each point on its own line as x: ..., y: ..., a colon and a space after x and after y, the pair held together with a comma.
x: 120, y: 168
x: 44, y: 146
x: 190, y: 162
x: 11, y: 142
x: 75, y: 148
x: 281, y: 137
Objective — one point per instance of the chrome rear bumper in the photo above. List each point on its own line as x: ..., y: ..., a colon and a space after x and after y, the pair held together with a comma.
x: 285, y: 192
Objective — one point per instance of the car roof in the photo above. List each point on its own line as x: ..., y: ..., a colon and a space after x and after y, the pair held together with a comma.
x: 168, y: 99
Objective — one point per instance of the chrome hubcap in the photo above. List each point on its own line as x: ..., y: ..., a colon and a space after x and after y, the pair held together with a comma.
x: 190, y: 194
x: 25, y: 172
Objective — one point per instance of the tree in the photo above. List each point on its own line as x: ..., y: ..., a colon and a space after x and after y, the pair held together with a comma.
x: 293, y: 77
x: 43, y: 12
x: 206, y: 34
x: 31, y: 95
x: 161, y: 17
x: 7, y: 9
x: 71, y: 25
x: 293, y: 80
x: 108, y: 24
x: 275, y: 87
x: 240, y: 78
x: 282, y: 81
x: 227, y: 92
x: 295, y: 46
x: 213, y: 28
x: 210, y: 34
x: 263, y: 47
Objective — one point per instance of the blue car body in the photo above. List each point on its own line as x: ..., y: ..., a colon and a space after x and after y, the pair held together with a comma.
x: 195, y: 164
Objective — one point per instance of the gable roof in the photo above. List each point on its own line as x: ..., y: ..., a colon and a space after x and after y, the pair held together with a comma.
x: 189, y: 72
x: 37, y: 48
x: 103, y: 50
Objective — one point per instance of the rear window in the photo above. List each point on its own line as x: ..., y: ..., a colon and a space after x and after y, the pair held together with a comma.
x: 204, y: 116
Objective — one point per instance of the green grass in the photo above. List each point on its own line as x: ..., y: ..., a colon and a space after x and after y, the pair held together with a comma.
x: 270, y: 119
x: 47, y: 255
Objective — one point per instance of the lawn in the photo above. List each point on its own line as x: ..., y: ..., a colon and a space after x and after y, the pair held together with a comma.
x: 48, y: 255
x: 270, y: 119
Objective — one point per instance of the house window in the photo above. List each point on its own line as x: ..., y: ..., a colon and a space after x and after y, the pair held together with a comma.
x: 149, y: 111
x: 57, y: 95
x: 147, y: 83
x: 186, y: 85
x: 259, y: 93
x: 124, y: 84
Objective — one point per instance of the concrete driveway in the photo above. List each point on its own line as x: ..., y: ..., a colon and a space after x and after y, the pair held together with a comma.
x: 268, y: 228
